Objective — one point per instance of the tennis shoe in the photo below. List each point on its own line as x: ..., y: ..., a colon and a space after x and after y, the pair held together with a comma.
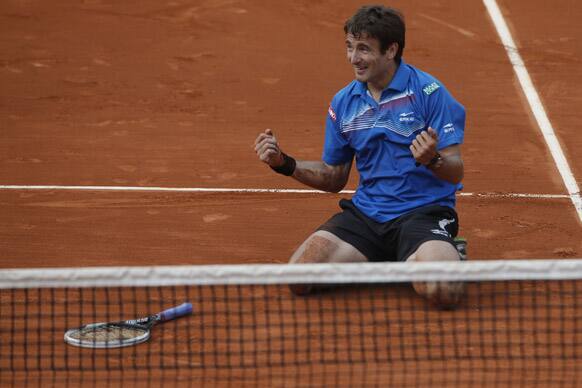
x: 461, y: 245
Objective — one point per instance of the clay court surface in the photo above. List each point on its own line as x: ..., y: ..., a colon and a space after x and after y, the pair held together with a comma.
x: 172, y: 94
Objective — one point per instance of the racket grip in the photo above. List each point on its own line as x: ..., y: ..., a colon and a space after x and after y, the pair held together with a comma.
x: 176, y: 312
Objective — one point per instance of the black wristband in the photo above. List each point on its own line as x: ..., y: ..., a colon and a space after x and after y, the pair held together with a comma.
x: 288, y: 166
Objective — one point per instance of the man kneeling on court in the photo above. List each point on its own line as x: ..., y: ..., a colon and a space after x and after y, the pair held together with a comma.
x: 404, y: 129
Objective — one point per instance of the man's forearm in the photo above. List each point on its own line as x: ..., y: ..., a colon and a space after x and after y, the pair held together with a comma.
x: 322, y: 176
x: 450, y: 168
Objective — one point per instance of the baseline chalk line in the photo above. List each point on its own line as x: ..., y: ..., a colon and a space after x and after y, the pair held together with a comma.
x: 535, y: 104
x: 248, y: 190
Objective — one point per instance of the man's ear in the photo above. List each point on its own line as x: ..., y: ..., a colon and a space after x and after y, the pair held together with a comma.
x: 391, y: 51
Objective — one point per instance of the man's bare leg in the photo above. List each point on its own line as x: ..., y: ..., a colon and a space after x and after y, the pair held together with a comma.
x: 444, y: 294
x: 323, y: 247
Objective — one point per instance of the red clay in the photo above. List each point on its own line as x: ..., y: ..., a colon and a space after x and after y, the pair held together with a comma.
x: 149, y: 93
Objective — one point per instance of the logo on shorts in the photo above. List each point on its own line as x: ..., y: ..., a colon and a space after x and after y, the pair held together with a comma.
x: 442, y: 225
x: 331, y: 113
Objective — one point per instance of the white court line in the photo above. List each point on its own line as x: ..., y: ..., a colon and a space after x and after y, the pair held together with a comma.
x: 536, y: 105
x: 249, y: 190
x: 462, y: 31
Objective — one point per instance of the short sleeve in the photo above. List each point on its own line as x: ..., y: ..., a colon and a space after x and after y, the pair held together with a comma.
x: 445, y: 115
x: 336, y: 148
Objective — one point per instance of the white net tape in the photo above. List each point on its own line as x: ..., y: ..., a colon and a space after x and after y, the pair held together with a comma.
x: 490, y: 270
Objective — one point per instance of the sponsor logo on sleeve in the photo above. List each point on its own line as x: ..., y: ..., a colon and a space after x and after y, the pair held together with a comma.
x: 449, y: 128
x: 429, y: 89
x: 331, y: 113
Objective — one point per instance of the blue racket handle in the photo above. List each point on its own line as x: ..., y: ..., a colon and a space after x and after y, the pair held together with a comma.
x: 176, y: 312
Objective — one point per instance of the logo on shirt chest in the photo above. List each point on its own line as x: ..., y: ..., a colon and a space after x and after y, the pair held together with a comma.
x: 403, y: 123
x: 407, y: 117
x: 395, y: 114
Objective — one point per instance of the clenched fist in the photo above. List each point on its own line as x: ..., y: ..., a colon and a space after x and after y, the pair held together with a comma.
x: 267, y: 149
x: 424, y: 147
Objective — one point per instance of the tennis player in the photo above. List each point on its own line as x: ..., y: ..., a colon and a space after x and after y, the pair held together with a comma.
x: 405, y: 131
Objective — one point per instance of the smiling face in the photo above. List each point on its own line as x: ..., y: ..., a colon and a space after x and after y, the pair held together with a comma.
x: 370, y: 64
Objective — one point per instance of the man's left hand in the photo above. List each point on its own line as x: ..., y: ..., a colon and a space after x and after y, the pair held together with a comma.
x: 424, y: 147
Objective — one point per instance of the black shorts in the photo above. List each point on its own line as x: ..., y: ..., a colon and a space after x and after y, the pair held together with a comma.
x: 396, y: 239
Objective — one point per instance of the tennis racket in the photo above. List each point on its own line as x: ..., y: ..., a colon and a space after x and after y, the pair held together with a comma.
x: 122, y: 333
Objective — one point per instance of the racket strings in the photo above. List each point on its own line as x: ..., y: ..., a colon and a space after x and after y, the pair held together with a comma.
x: 109, y: 333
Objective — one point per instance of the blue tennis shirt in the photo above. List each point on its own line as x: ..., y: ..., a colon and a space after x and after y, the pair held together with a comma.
x: 379, y: 136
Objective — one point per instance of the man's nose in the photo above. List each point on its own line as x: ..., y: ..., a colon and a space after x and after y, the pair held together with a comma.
x: 353, y: 57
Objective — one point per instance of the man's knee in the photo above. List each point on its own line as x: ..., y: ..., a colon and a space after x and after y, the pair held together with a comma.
x: 318, y: 248
x: 301, y: 289
x: 322, y: 247
x: 445, y: 295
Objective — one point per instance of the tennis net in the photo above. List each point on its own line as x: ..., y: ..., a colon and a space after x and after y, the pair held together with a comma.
x: 519, y: 323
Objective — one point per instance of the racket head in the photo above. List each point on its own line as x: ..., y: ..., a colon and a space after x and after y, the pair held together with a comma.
x: 107, y: 335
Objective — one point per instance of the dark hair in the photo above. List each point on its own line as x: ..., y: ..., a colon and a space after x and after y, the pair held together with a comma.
x: 380, y: 22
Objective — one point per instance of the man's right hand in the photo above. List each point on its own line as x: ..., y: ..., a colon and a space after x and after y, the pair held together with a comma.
x: 267, y: 149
